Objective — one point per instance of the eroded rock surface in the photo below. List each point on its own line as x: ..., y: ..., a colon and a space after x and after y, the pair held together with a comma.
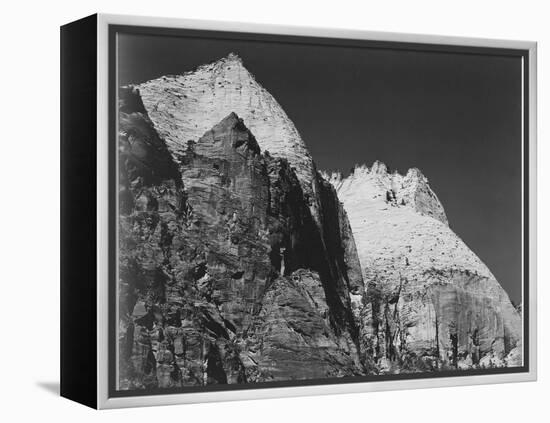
x: 430, y: 301
x: 184, y: 107
x: 240, y: 263
x: 221, y: 263
x: 293, y: 337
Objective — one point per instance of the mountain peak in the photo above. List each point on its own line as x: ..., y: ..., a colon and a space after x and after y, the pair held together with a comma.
x: 184, y: 107
x: 229, y: 68
x: 416, y: 174
x: 416, y: 190
x: 409, y: 190
x: 379, y: 168
x: 234, y: 57
x: 233, y: 134
x: 226, y: 62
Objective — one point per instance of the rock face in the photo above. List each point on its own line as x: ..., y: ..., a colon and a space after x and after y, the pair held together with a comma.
x: 184, y: 107
x: 224, y: 274
x: 238, y: 263
x: 430, y: 303
x: 292, y: 336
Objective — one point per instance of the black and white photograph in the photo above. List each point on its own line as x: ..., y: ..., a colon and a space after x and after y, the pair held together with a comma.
x: 303, y: 210
x: 286, y: 212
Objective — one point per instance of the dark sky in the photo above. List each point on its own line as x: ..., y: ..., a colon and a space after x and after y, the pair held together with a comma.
x: 457, y: 117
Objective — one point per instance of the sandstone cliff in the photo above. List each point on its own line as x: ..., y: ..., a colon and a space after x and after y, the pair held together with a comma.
x: 430, y: 303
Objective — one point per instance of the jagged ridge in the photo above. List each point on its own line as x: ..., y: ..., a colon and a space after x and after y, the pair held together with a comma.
x: 412, y: 189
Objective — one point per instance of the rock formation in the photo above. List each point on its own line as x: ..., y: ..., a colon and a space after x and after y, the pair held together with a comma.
x: 224, y: 274
x: 238, y: 263
x: 431, y: 303
x: 183, y: 107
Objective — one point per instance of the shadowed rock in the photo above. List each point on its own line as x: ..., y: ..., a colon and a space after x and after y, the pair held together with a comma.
x: 203, y: 249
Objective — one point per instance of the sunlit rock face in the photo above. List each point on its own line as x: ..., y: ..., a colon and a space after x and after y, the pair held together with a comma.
x: 184, y: 107
x: 430, y: 302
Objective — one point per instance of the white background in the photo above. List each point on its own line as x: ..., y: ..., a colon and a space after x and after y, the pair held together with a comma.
x: 29, y: 171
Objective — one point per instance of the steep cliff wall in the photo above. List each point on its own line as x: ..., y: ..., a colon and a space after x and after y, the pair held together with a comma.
x: 293, y: 337
x: 183, y: 107
x: 211, y: 237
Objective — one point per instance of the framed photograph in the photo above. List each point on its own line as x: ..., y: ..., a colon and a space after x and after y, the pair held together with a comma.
x: 254, y: 211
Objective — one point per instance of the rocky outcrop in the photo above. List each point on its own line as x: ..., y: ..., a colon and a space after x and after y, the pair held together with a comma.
x: 430, y: 302
x: 221, y: 263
